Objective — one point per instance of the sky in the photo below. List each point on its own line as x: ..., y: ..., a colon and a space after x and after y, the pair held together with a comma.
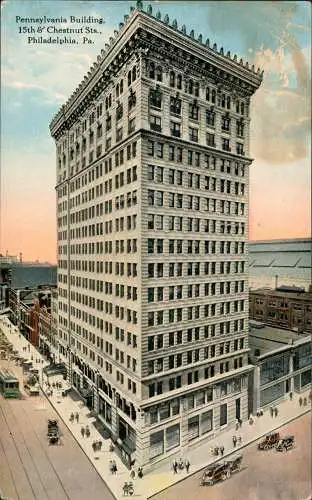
x: 37, y: 79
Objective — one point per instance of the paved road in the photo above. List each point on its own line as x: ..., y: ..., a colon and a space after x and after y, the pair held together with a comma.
x: 30, y: 468
x: 266, y: 475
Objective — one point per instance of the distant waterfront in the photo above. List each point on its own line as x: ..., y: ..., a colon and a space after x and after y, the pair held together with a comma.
x: 24, y: 275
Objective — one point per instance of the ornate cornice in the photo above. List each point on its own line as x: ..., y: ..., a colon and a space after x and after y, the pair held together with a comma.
x: 141, y: 33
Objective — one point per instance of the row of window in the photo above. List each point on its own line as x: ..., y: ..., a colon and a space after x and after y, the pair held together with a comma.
x: 189, y: 247
x: 166, y: 316
x: 178, y: 269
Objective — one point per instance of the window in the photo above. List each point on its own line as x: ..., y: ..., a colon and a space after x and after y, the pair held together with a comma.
x: 193, y: 134
x: 155, y: 123
x: 155, y: 98
x: 240, y: 149
x: 225, y: 123
x: 210, y: 118
x: 175, y: 129
x: 175, y: 106
x: 193, y: 112
x: 210, y: 140
x: 226, y: 144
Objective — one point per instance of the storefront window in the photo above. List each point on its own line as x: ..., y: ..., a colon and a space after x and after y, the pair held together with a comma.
x: 193, y: 427
x: 303, y: 356
x: 172, y: 437
x: 156, y: 444
x: 306, y: 378
x: 223, y: 415
x: 272, y: 393
x: 274, y: 368
x: 175, y: 407
x: 206, y: 421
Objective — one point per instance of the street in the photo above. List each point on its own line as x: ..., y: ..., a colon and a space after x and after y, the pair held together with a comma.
x: 30, y: 468
x: 265, y: 475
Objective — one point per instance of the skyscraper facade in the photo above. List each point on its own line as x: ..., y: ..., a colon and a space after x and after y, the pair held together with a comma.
x: 152, y: 204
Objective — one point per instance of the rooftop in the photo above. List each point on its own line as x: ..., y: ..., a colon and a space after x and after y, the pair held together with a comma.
x: 291, y: 292
x: 268, y: 339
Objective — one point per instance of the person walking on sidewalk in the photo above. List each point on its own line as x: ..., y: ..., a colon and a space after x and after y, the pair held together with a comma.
x: 239, y: 440
x: 99, y: 445
x: 290, y: 396
x: 77, y: 417
x: 271, y: 411
x: 132, y: 473
x: 234, y: 441
x: 276, y: 412
x: 300, y: 401
x: 175, y: 466
x: 87, y: 431
x: 221, y: 450
x: 82, y: 431
x: 187, y: 465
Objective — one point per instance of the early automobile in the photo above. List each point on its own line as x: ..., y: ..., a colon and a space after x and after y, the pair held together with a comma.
x: 270, y: 441
x: 214, y: 473
x: 286, y: 443
x: 235, y: 464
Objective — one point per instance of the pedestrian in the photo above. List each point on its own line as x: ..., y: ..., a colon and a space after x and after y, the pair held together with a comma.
x: 111, y: 467
x: 305, y: 402
x: 271, y: 411
x: 276, y: 412
x: 132, y: 473
x: 71, y: 418
x: 236, y: 425
x: 174, y: 466
x: 240, y: 422
x: 82, y: 431
x: 77, y: 416
x: 234, y: 439
x: 114, y: 467
x: 140, y: 472
x: 181, y: 464
x: 187, y: 465
x: 239, y: 440
x: 87, y: 431
x: 221, y: 450
x: 300, y: 401
x: 100, y: 445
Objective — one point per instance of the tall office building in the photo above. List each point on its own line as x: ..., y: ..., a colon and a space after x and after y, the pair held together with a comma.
x: 152, y: 204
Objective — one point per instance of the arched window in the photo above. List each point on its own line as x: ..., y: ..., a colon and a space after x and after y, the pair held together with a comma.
x: 213, y: 96
x: 172, y: 79
x: 152, y: 70
x: 196, y: 89
x: 179, y: 82
x: 159, y: 74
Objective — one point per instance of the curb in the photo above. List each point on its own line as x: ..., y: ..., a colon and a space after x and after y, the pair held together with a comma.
x: 228, y: 454
x: 71, y: 433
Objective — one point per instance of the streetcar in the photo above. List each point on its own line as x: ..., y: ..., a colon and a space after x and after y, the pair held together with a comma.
x: 9, y: 385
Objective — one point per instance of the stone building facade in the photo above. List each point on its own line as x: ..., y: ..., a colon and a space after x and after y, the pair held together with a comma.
x: 152, y: 204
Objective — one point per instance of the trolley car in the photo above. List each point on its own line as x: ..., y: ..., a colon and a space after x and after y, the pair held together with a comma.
x: 9, y: 385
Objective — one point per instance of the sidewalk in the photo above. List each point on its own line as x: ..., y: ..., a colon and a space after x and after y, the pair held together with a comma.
x: 160, y: 476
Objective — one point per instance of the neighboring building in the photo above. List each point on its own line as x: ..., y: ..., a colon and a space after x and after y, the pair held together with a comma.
x: 285, y: 308
x: 48, y: 341
x: 283, y: 364
x: 27, y: 308
x: 5, y: 282
x: 152, y: 204
x: 275, y: 263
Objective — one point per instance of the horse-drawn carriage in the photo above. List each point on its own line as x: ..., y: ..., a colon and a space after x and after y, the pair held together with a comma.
x: 53, y: 433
